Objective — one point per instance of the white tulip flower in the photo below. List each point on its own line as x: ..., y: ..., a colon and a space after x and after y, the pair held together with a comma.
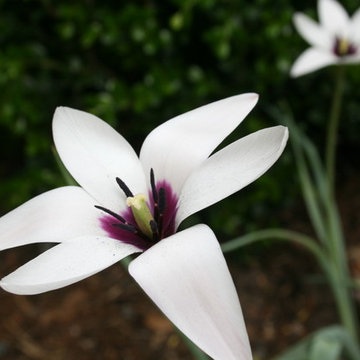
x: 334, y: 40
x: 128, y: 204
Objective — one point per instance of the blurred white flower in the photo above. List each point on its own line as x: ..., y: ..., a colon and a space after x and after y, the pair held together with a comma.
x: 128, y: 205
x: 334, y: 40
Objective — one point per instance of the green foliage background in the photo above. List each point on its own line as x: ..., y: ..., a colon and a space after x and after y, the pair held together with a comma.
x: 136, y: 64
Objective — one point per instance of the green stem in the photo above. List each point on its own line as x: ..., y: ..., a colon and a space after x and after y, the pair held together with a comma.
x: 314, y: 185
x: 333, y: 126
x: 339, y: 270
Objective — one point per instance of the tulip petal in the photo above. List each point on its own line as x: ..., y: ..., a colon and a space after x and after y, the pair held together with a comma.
x: 187, y: 277
x: 312, y: 59
x: 312, y: 32
x: 65, y: 264
x: 351, y: 59
x: 355, y: 27
x: 95, y: 154
x: 54, y: 216
x: 231, y: 169
x: 178, y: 146
x: 334, y: 17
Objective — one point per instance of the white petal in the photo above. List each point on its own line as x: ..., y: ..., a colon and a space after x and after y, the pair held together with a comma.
x: 54, y: 216
x: 231, y: 169
x: 355, y: 28
x: 312, y: 32
x: 65, y: 264
x: 95, y: 154
x: 187, y: 277
x: 334, y: 17
x: 179, y: 145
x: 351, y: 59
x: 312, y: 59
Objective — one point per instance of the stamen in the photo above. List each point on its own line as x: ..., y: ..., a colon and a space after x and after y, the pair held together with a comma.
x: 124, y: 188
x: 155, y: 230
x: 126, y: 227
x: 155, y: 195
x: 131, y: 228
x: 116, y: 216
x: 162, y: 200
x: 153, y: 187
x: 162, y: 204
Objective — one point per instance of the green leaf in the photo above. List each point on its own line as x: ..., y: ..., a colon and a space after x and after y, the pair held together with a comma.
x: 325, y: 348
x: 325, y: 344
x: 312, y: 189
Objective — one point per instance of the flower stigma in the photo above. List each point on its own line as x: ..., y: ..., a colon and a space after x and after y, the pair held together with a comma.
x: 142, y: 214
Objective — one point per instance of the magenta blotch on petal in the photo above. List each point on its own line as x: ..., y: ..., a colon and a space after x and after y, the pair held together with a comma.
x: 169, y: 201
x: 107, y: 223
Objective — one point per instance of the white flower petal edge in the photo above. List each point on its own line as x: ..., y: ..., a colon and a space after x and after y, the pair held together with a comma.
x: 176, y: 147
x: 95, y: 154
x: 353, y: 59
x: 65, y: 264
x: 231, y: 169
x: 310, y: 60
x: 187, y: 277
x: 355, y: 26
x: 312, y: 32
x: 333, y: 17
x: 55, y: 216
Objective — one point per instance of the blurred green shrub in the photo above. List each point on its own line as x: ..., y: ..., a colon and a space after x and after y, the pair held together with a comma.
x: 138, y: 63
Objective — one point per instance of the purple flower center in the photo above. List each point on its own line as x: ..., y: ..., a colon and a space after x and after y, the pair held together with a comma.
x: 163, y: 207
x: 343, y: 47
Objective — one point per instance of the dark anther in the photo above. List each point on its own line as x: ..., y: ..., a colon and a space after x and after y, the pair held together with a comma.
x: 155, y: 230
x: 126, y: 227
x: 124, y: 188
x: 161, y: 210
x: 116, y: 216
x: 153, y: 187
x: 162, y: 201
x: 131, y: 228
x: 155, y: 194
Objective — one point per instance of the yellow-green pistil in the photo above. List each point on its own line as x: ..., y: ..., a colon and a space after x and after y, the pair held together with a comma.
x: 343, y: 47
x: 142, y: 213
